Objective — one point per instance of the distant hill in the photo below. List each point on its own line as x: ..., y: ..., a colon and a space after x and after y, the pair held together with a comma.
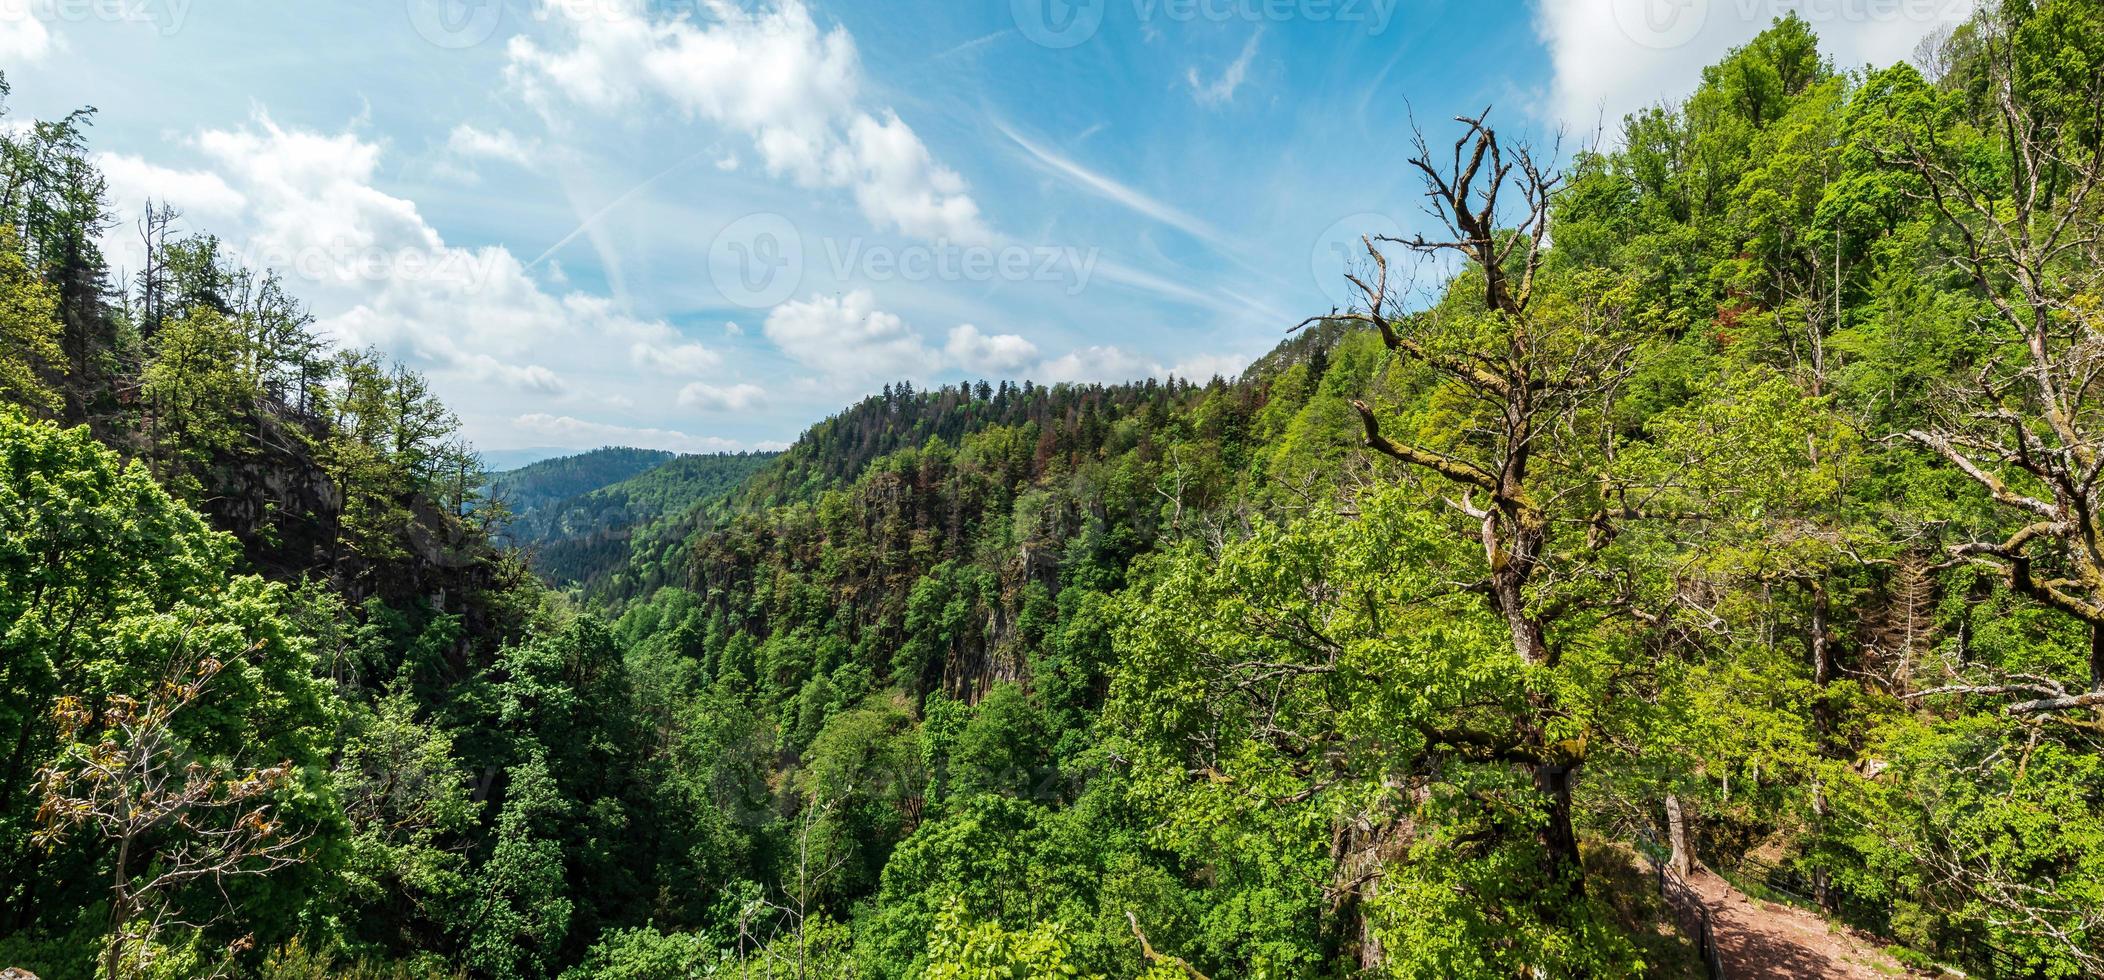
x: 535, y: 486
x: 653, y: 503
x: 500, y: 460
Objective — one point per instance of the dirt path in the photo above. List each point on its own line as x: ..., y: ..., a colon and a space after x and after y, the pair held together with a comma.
x: 1765, y: 941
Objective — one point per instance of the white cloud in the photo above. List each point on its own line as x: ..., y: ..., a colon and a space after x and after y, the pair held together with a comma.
x: 678, y: 360
x: 1612, y: 57
x: 771, y: 75
x: 1205, y: 367
x: 1111, y: 190
x: 375, y: 272
x: 847, y: 337
x: 23, y: 38
x: 472, y: 143
x: 202, y: 197
x: 1221, y: 91
x: 1110, y: 364
x: 998, y: 354
x: 1217, y: 298
x: 732, y: 398
x: 1103, y: 365
x: 898, y: 184
x: 522, y: 377
x: 574, y: 433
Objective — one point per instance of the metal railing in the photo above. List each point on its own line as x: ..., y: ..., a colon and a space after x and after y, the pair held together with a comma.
x: 1679, y: 895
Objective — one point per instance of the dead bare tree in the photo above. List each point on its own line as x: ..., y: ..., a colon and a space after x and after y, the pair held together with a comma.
x: 2027, y: 427
x: 766, y: 927
x: 170, y: 819
x: 1534, y: 471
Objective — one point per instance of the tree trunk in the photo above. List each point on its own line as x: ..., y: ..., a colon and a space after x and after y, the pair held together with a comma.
x: 2096, y: 656
x: 120, y: 909
x: 1559, y: 839
x: 1822, y: 635
x: 1822, y: 893
x: 1682, y: 860
x: 1359, y: 847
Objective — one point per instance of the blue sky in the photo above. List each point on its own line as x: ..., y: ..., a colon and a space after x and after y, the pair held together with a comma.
x: 705, y: 224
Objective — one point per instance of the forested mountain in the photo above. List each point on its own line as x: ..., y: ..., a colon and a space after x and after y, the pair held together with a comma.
x: 530, y: 489
x: 1734, y: 501
x: 623, y: 535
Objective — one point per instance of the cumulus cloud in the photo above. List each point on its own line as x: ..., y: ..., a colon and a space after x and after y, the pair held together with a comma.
x: 847, y: 337
x: 1205, y: 367
x: 682, y: 359
x: 531, y: 378
x: 1612, y: 57
x: 980, y: 353
x: 375, y: 272
x: 1109, y: 364
x: 23, y: 38
x: 469, y: 142
x: 772, y: 75
x: 203, y: 197
x: 1099, y: 365
x: 731, y: 398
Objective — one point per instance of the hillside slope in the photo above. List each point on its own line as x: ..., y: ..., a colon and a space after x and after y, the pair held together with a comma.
x: 532, y: 488
x: 622, y: 529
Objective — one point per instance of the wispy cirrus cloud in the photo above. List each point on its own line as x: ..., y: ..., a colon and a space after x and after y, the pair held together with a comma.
x: 1221, y: 90
x: 1109, y: 189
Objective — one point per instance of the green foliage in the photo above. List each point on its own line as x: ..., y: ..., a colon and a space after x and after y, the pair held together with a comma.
x: 996, y: 680
x: 616, y: 521
x: 522, y: 906
x: 985, y: 951
x: 112, y: 589
x: 29, y: 331
x: 646, y: 954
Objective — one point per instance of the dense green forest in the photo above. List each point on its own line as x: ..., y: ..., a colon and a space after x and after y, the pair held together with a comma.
x: 532, y: 489
x: 615, y: 520
x: 1735, y: 499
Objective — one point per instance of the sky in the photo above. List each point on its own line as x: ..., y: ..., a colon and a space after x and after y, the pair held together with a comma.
x: 703, y: 225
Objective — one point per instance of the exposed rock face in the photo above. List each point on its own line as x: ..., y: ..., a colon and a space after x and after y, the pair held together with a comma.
x: 278, y: 500
x: 16, y: 973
